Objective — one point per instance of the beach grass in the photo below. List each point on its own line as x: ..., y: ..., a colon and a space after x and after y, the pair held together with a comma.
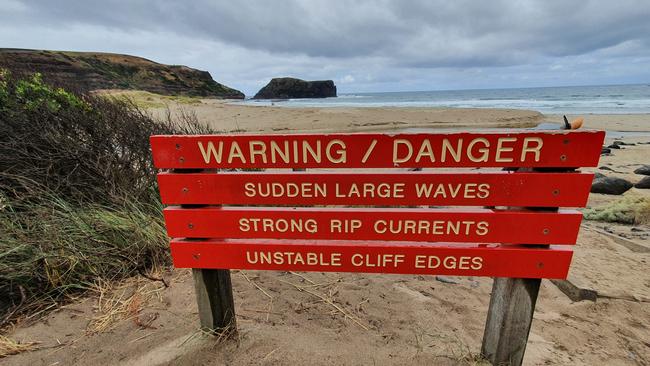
x: 9, y: 346
x: 78, y: 193
x: 53, y: 249
x: 626, y: 210
x: 147, y: 100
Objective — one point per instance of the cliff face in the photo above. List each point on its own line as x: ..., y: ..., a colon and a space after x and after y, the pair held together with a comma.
x: 93, y: 71
x: 285, y: 88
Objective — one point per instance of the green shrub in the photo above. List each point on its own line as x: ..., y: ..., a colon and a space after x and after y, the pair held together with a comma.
x: 78, y: 197
x: 33, y: 94
x: 81, y: 147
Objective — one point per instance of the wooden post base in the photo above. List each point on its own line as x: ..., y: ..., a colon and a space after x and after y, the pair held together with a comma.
x: 215, y: 300
x: 509, y: 319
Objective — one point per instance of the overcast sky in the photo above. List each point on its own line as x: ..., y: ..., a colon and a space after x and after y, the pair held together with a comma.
x: 362, y: 45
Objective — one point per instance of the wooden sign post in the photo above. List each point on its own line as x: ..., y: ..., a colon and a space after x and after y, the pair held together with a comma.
x: 506, y: 224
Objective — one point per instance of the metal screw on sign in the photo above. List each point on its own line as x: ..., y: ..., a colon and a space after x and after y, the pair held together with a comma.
x: 181, y: 159
x: 178, y: 146
x: 563, y: 157
x: 546, y: 231
x: 540, y: 265
x: 185, y: 190
x: 190, y: 225
x: 196, y: 256
x: 556, y: 192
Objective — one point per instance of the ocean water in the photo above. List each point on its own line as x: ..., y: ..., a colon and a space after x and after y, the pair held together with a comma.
x: 607, y: 99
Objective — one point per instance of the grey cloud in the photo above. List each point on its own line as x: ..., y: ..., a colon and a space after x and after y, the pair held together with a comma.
x: 368, y: 40
x: 431, y: 32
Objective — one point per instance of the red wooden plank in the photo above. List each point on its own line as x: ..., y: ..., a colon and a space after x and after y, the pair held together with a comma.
x: 431, y: 225
x: 413, y: 188
x: 374, y: 257
x: 496, y: 149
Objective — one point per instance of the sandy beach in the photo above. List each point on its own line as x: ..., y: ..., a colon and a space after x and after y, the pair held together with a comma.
x: 236, y: 118
x: 363, y: 319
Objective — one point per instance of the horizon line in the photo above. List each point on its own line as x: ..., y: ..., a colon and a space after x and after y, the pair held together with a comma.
x: 500, y: 88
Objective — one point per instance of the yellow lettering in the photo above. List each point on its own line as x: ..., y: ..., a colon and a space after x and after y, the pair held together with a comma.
x: 235, y: 152
x: 211, y: 151
x: 409, y: 148
x: 423, y: 190
x: 257, y: 148
x: 501, y: 149
x: 535, y: 150
x: 306, y: 148
x: 275, y: 149
x: 357, y: 260
x: 419, y: 261
x: 484, y: 151
x: 249, y: 189
x: 243, y: 225
x: 342, y: 156
x: 446, y: 147
x: 483, y: 190
x: 425, y: 151
x: 482, y: 227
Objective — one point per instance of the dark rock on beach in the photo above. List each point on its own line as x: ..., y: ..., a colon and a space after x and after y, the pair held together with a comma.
x: 643, y: 183
x: 447, y: 279
x: 644, y: 170
x: 623, y: 143
x: 288, y: 88
x: 605, y: 151
x: 613, y: 146
x: 610, y: 185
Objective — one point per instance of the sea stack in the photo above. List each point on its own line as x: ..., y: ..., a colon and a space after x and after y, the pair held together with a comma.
x: 288, y: 88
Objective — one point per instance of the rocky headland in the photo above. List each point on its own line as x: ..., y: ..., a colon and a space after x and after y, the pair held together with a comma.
x: 101, y: 71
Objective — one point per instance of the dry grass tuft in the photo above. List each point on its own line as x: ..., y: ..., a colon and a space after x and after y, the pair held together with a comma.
x: 643, y: 213
x: 326, y: 297
x: 269, y: 309
x: 10, y: 347
x: 125, y: 301
x: 450, y: 348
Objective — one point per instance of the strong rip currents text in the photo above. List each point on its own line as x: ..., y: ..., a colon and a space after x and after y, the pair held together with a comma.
x: 380, y: 226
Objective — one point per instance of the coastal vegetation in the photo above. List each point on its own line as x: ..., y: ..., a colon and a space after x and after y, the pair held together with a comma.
x: 147, y: 100
x: 78, y: 197
x: 633, y: 210
x: 110, y: 71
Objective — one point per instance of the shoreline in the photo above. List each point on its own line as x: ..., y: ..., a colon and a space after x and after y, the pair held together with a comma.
x: 276, y: 119
x: 227, y: 116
